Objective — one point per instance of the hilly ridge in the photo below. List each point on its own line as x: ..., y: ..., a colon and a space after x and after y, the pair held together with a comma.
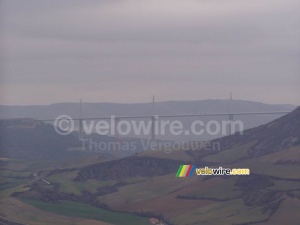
x: 277, y: 135
x: 145, y: 184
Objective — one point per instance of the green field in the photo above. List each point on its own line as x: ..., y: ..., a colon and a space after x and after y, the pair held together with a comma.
x: 75, y: 209
x: 220, y: 191
x: 67, y: 185
x: 225, y: 213
x: 151, y: 188
x: 230, y: 155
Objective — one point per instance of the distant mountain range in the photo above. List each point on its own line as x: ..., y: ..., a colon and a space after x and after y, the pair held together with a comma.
x: 135, y: 109
x: 91, y: 110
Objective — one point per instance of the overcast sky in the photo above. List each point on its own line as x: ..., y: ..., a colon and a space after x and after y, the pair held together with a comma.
x: 128, y: 50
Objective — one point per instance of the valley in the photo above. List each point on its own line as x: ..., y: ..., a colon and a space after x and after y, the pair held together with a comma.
x: 134, y: 189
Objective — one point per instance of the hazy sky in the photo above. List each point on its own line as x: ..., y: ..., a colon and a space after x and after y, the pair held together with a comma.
x: 128, y: 50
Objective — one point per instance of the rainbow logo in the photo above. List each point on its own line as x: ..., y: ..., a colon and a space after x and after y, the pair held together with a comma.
x: 185, y: 171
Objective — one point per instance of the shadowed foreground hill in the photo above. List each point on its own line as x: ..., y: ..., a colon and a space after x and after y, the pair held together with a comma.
x: 33, y: 140
x: 30, y: 139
